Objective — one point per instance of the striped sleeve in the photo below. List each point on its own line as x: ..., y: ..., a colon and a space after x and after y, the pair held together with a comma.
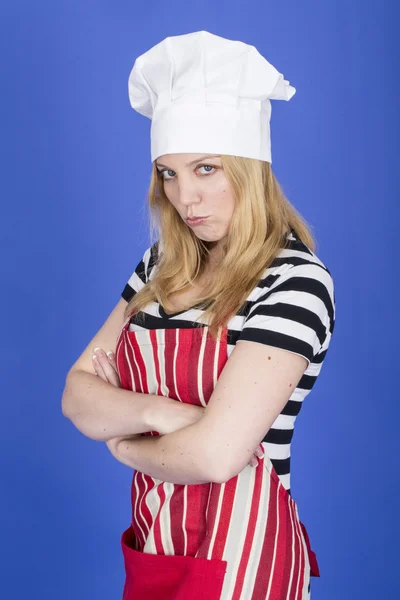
x: 141, y: 274
x: 296, y: 313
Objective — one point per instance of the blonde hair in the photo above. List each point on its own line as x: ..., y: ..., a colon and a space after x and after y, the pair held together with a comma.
x: 260, y: 222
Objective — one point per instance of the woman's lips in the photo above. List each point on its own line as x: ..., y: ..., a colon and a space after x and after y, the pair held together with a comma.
x: 196, y: 221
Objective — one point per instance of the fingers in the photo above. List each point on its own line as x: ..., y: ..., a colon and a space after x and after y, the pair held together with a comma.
x: 98, y: 368
x: 111, y: 360
x: 105, y: 367
x: 258, y: 453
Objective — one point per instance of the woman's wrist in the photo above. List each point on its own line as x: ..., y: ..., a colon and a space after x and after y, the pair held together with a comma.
x: 169, y: 415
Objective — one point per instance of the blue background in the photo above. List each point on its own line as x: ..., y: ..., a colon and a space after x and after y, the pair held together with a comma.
x: 75, y: 164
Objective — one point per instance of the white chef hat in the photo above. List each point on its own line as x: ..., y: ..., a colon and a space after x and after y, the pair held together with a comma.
x: 207, y: 94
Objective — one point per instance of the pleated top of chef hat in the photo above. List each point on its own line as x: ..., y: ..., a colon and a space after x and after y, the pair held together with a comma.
x: 207, y: 94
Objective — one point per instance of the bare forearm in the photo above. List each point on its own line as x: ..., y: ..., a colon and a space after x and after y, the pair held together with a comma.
x: 102, y: 411
x: 175, y: 457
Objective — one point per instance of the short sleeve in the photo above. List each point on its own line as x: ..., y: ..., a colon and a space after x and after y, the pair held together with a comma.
x: 141, y: 274
x: 296, y: 313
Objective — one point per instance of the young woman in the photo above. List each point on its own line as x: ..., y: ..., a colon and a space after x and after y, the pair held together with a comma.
x: 229, y: 318
x: 194, y: 496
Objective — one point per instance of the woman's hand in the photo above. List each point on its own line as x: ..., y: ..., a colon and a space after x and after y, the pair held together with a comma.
x: 105, y: 367
x: 258, y: 453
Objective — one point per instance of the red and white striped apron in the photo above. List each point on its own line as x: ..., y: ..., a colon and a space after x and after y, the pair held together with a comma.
x: 239, y: 540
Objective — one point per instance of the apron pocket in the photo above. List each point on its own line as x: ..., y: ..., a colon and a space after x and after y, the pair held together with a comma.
x: 169, y: 577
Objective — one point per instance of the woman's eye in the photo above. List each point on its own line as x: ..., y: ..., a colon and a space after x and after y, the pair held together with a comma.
x: 166, y: 171
x: 204, y: 166
x: 162, y: 173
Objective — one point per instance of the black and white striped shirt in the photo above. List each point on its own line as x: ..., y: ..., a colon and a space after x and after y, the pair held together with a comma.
x: 292, y: 307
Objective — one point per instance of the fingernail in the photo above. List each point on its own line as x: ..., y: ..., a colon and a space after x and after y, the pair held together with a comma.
x: 110, y: 354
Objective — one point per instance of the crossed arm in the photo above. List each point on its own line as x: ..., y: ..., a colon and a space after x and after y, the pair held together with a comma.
x: 252, y: 390
x: 175, y: 457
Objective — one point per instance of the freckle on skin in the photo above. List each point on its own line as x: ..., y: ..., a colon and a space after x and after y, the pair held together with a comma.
x: 269, y: 358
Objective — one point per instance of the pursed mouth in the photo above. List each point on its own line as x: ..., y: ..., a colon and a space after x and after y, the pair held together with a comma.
x: 196, y: 219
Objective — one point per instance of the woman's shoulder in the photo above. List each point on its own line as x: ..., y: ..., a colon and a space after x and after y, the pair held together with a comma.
x: 296, y: 253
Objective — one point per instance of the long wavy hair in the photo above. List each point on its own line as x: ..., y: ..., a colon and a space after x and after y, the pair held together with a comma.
x: 260, y: 222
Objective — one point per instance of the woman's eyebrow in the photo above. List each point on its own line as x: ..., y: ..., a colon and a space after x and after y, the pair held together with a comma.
x: 189, y: 164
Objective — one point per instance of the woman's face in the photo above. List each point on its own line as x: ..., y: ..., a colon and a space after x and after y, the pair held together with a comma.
x: 197, y: 187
